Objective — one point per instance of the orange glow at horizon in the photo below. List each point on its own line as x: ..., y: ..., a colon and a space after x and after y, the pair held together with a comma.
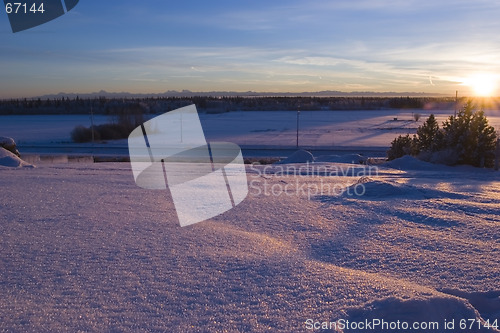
x: 483, y: 85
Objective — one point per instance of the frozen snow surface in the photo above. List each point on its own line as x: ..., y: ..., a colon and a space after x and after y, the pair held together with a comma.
x: 82, y: 248
x: 318, y: 240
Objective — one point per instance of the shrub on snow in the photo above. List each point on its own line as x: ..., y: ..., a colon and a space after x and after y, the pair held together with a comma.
x: 401, y: 146
x: 83, y: 134
x: 10, y: 145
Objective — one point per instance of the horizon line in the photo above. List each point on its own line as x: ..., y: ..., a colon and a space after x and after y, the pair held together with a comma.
x: 249, y: 93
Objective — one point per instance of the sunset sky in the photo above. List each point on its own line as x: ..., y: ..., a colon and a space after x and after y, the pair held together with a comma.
x: 268, y: 46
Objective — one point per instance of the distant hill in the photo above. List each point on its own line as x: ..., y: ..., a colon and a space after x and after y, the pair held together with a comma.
x: 188, y: 93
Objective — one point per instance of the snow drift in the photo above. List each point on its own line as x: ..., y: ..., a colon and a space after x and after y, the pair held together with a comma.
x: 304, y: 156
x: 8, y: 159
x: 421, y: 315
x: 369, y: 189
x: 348, y: 158
x: 300, y: 156
x: 411, y: 163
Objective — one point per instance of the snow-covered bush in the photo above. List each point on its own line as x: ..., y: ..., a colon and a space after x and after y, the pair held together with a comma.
x: 10, y: 145
x: 401, y: 146
x: 471, y: 137
x: 445, y: 156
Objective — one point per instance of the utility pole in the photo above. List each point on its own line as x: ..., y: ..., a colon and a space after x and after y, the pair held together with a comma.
x: 298, y: 114
x: 497, y: 155
x: 92, y: 123
x: 456, y: 102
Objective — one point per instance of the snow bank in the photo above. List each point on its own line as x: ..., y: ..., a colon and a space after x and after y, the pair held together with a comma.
x: 486, y: 303
x: 348, y: 158
x: 300, y: 156
x: 417, y: 311
x: 411, y: 163
x: 9, y: 144
x: 304, y: 156
x: 366, y: 188
x: 8, y: 159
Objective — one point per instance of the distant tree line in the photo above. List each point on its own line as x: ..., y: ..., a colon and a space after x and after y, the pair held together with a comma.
x: 110, y: 106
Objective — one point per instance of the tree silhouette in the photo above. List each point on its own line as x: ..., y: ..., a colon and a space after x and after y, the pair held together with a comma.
x: 466, y: 138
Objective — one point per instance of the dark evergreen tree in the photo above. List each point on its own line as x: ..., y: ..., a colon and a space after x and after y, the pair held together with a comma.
x: 428, y: 136
x: 464, y: 139
x: 457, y: 134
x: 402, y: 145
x: 484, y: 137
x: 471, y: 137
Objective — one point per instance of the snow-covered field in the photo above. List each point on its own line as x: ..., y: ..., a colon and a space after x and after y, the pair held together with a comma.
x: 44, y: 129
x: 83, y: 249
x: 318, y: 129
x: 326, y: 130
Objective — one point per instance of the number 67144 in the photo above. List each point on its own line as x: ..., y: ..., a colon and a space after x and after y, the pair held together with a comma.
x: 22, y: 8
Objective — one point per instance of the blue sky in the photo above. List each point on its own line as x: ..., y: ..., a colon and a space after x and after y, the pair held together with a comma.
x: 348, y: 45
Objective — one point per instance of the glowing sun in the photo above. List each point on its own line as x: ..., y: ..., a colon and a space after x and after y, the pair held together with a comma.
x: 482, y: 84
